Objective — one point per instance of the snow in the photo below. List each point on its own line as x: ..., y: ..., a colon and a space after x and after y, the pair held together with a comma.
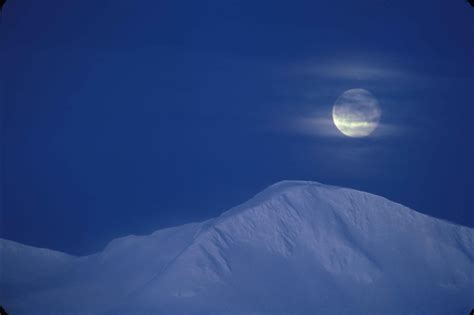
x: 295, y: 248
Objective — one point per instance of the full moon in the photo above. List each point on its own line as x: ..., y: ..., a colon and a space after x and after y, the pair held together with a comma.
x: 356, y: 113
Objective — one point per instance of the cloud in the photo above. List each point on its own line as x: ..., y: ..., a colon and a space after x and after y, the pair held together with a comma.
x: 320, y: 126
x: 355, y: 69
x: 354, y: 72
x: 322, y: 81
x: 315, y: 127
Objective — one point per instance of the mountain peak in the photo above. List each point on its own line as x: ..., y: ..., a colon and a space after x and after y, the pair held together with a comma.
x: 286, y: 186
x: 274, y: 191
x: 305, y: 197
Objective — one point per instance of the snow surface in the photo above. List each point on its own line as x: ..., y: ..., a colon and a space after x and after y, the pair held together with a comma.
x: 295, y: 248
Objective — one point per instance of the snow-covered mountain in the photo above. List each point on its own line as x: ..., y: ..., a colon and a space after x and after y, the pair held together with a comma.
x: 295, y: 248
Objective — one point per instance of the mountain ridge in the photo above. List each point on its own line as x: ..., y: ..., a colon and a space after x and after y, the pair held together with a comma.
x: 278, y: 185
x: 296, y: 247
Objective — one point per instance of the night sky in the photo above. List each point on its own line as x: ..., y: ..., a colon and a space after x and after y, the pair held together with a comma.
x: 124, y: 117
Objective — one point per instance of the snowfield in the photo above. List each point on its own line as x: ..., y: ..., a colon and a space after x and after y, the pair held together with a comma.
x: 295, y: 248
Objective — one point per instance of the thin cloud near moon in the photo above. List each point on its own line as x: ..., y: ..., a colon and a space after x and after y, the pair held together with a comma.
x: 325, y: 79
x: 320, y: 121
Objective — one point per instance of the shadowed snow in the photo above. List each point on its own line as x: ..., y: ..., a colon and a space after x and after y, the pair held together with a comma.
x: 297, y: 247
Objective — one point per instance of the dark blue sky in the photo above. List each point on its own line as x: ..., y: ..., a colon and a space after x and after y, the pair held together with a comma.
x: 125, y: 117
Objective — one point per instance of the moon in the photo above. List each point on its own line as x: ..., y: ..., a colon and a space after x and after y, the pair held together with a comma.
x: 356, y: 113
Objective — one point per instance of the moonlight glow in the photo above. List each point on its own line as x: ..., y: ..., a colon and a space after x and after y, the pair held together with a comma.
x: 356, y: 113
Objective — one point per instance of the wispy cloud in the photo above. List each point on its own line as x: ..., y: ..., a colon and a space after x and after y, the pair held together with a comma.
x: 323, y: 80
x: 352, y: 71
x: 367, y: 69
x: 318, y: 125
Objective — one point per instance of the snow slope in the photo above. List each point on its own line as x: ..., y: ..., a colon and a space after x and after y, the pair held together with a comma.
x: 295, y: 248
